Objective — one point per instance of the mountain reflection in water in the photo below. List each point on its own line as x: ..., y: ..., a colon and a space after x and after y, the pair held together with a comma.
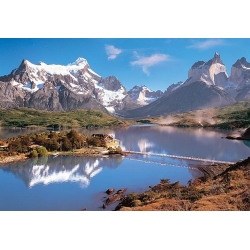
x: 47, y: 170
x: 74, y: 182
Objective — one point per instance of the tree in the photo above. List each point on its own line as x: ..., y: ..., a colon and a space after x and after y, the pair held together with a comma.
x: 53, y: 135
x: 94, y: 141
x: 75, y: 139
x: 40, y: 139
x: 52, y: 144
x: 42, y: 151
x: 66, y: 144
x: 15, y: 146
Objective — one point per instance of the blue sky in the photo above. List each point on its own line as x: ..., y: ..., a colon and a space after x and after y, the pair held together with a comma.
x: 154, y: 62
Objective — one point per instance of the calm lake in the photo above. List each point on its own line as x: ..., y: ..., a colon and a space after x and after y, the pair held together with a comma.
x: 74, y: 183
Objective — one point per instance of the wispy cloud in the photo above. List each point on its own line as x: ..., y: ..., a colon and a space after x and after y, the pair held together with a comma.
x: 146, y: 62
x: 207, y: 44
x: 112, y: 52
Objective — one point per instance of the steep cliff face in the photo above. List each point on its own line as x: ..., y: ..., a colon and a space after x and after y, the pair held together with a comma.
x: 11, y: 96
x: 212, y: 72
x: 240, y: 77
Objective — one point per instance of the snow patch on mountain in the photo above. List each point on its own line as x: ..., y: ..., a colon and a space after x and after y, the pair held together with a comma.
x: 109, y: 98
x: 143, y: 95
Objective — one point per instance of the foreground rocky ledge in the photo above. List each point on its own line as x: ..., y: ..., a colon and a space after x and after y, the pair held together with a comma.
x: 222, y: 188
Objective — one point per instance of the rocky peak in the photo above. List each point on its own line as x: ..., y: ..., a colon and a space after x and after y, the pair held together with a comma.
x: 173, y: 87
x: 22, y: 67
x: 240, y: 77
x: 240, y: 63
x: 111, y: 83
x: 212, y: 72
x: 216, y: 59
x: 79, y: 62
x: 198, y: 64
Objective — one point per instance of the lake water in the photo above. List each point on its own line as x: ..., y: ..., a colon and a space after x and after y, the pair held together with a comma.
x: 73, y: 183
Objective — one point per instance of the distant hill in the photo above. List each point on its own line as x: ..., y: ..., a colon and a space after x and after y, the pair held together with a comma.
x: 25, y: 117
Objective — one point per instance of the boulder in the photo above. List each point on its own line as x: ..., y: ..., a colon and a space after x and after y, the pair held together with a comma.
x: 110, y: 191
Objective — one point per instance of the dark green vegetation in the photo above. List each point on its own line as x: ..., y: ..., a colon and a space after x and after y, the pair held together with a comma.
x: 230, y: 117
x: 235, y: 116
x: 25, y: 117
x: 144, y: 121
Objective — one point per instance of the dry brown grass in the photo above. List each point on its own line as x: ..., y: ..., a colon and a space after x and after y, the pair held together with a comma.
x: 228, y: 191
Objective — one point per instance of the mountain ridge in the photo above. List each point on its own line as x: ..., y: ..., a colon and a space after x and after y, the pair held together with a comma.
x: 76, y: 86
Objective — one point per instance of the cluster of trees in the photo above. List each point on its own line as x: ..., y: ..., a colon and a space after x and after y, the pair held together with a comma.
x: 52, y: 141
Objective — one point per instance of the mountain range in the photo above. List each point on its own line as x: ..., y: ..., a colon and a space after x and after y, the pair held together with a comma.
x: 76, y: 86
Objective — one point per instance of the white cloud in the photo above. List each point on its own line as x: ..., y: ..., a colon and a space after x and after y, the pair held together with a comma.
x: 209, y: 43
x: 112, y: 52
x: 146, y: 62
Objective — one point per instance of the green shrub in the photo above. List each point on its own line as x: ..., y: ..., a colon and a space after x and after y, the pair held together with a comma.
x: 42, y: 151
x: 33, y: 153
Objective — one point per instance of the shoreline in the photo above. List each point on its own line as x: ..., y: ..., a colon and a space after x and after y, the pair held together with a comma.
x: 223, y: 187
x: 13, y: 159
x: 87, y: 152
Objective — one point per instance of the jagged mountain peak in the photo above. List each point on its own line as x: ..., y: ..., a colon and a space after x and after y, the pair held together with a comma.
x: 212, y: 72
x: 111, y: 83
x: 72, y: 86
x: 241, y: 63
x: 80, y: 61
x: 143, y: 95
x: 214, y: 60
x: 217, y: 59
x: 142, y: 87
x: 198, y: 64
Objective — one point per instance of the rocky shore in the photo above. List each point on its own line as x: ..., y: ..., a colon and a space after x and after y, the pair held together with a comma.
x: 222, y: 188
x: 239, y: 135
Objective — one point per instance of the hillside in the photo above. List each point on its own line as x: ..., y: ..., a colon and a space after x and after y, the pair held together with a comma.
x: 25, y: 117
x: 229, y: 117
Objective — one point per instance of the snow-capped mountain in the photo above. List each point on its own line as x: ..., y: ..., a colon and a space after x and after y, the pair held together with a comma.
x: 143, y: 95
x: 77, y: 86
x: 203, y: 89
x: 63, y: 87
x: 111, y: 93
x: 77, y: 75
